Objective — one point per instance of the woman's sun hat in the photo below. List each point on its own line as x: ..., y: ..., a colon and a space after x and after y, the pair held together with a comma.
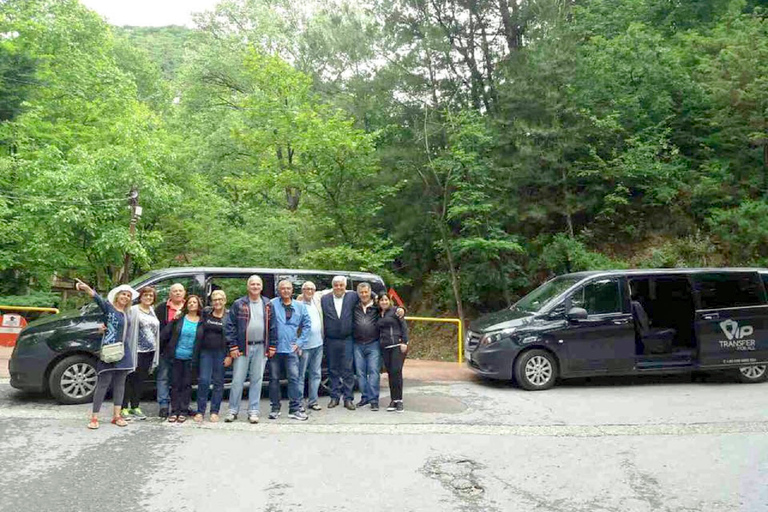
x: 122, y: 288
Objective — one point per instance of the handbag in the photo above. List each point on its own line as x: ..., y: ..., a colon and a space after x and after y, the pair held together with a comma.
x: 112, y: 352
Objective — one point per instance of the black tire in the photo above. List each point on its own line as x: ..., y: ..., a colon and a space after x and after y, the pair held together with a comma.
x: 752, y: 374
x: 73, y: 380
x: 536, y: 370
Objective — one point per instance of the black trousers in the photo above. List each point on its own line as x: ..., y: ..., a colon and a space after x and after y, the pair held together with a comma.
x: 134, y: 384
x: 393, y: 362
x: 181, y: 389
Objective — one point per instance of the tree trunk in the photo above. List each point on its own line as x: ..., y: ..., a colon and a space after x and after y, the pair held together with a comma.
x: 567, y: 201
x: 454, y: 274
x: 512, y: 32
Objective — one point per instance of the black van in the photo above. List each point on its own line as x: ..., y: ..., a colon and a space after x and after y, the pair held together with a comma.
x: 57, y: 354
x: 628, y: 322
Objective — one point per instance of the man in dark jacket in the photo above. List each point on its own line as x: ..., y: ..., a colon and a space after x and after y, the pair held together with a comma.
x: 247, y: 332
x: 338, y: 325
x: 367, y: 351
x: 165, y: 313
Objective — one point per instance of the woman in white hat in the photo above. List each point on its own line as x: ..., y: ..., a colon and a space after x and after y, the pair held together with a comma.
x: 117, y: 320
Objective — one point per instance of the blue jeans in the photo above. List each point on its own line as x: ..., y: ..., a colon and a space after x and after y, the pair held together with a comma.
x: 288, y: 363
x: 163, y: 372
x: 210, y: 369
x: 368, y: 368
x: 311, y: 361
x: 341, y: 354
x: 252, y: 364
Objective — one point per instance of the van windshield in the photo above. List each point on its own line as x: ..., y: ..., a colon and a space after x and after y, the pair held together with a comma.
x: 541, y: 296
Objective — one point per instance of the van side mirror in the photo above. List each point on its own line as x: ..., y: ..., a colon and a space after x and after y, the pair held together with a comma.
x: 557, y: 313
x: 577, y: 314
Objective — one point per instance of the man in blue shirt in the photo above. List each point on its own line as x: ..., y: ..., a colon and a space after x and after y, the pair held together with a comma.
x: 291, y: 329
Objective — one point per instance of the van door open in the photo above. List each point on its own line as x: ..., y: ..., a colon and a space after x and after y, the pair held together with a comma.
x: 731, y: 319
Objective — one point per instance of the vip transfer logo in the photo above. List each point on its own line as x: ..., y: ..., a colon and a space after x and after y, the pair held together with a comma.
x: 736, y: 336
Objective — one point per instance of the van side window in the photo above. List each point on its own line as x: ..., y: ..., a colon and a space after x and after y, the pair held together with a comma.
x: 719, y: 290
x: 322, y: 281
x: 190, y: 283
x: 236, y: 286
x: 598, y: 297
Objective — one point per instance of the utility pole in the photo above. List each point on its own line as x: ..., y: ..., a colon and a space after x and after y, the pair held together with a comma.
x: 133, y: 197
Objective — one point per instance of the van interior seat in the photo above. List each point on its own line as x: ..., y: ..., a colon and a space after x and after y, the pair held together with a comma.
x: 650, y: 340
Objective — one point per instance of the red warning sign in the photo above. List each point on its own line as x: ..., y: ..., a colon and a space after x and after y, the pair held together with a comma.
x: 11, y: 325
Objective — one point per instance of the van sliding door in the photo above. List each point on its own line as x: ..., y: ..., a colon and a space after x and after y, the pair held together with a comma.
x: 731, y: 319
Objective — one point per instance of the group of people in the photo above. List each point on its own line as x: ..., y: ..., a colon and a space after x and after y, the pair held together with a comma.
x: 290, y: 334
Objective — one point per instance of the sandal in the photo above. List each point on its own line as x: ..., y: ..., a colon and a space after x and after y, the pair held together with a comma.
x: 198, y: 418
x: 93, y: 424
x: 214, y: 418
x: 182, y: 418
x: 172, y: 418
x: 119, y: 421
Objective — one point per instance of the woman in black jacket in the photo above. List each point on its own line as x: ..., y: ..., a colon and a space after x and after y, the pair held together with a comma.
x: 210, y: 353
x: 177, y: 344
x: 393, y: 336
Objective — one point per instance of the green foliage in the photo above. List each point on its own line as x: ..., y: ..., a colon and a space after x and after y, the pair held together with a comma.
x: 37, y: 299
x: 465, y: 151
x: 563, y: 254
x: 742, y: 232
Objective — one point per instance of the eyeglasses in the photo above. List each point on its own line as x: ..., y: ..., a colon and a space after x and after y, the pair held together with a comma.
x: 218, y: 300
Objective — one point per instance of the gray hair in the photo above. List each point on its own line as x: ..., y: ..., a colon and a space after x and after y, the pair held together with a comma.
x: 285, y: 281
x: 308, y: 283
x: 257, y: 277
x: 177, y: 285
x: 363, y: 286
x: 340, y: 279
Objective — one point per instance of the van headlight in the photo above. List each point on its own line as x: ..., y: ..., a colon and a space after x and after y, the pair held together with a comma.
x: 495, y: 337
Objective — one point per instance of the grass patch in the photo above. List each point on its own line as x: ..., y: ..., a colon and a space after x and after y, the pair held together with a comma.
x: 432, y: 341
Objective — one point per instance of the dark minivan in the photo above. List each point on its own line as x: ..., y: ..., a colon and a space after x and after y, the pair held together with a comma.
x: 57, y: 354
x: 628, y: 322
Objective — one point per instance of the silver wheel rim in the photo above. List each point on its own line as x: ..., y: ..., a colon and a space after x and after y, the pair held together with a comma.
x: 753, y: 372
x: 538, y: 370
x: 78, y: 380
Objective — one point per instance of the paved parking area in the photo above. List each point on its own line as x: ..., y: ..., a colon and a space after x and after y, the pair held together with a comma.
x: 663, y: 444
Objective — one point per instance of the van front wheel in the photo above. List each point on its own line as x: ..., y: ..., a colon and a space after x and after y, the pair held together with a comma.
x: 536, y: 370
x: 73, y: 380
x: 751, y: 374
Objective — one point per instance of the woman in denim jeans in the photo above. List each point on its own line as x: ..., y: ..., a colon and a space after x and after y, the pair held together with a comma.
x: 212, y: 357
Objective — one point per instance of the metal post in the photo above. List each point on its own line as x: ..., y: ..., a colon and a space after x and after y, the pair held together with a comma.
x: 133, y: 197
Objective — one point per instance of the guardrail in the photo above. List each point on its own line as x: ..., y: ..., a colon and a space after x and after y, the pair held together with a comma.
x: 456, y: 321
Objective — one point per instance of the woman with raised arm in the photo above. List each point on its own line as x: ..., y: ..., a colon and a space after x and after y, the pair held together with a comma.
x: 116, y: 311
x: 393, y: 336
x: 179, y: 338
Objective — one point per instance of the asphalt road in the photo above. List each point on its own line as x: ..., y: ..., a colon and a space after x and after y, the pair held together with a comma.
x: 589, y: 445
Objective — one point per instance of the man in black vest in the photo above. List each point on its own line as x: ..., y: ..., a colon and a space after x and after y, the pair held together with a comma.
x: 338, y: 326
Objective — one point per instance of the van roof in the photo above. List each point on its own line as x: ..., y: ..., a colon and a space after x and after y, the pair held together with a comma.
x: 260, y: 270
x: 657, y: 271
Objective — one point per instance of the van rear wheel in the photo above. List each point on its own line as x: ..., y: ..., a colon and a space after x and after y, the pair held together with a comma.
x: 536, y: 370
x: 752, y: 374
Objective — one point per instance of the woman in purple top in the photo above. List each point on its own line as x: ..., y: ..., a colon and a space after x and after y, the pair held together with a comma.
x: 117, y: 321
